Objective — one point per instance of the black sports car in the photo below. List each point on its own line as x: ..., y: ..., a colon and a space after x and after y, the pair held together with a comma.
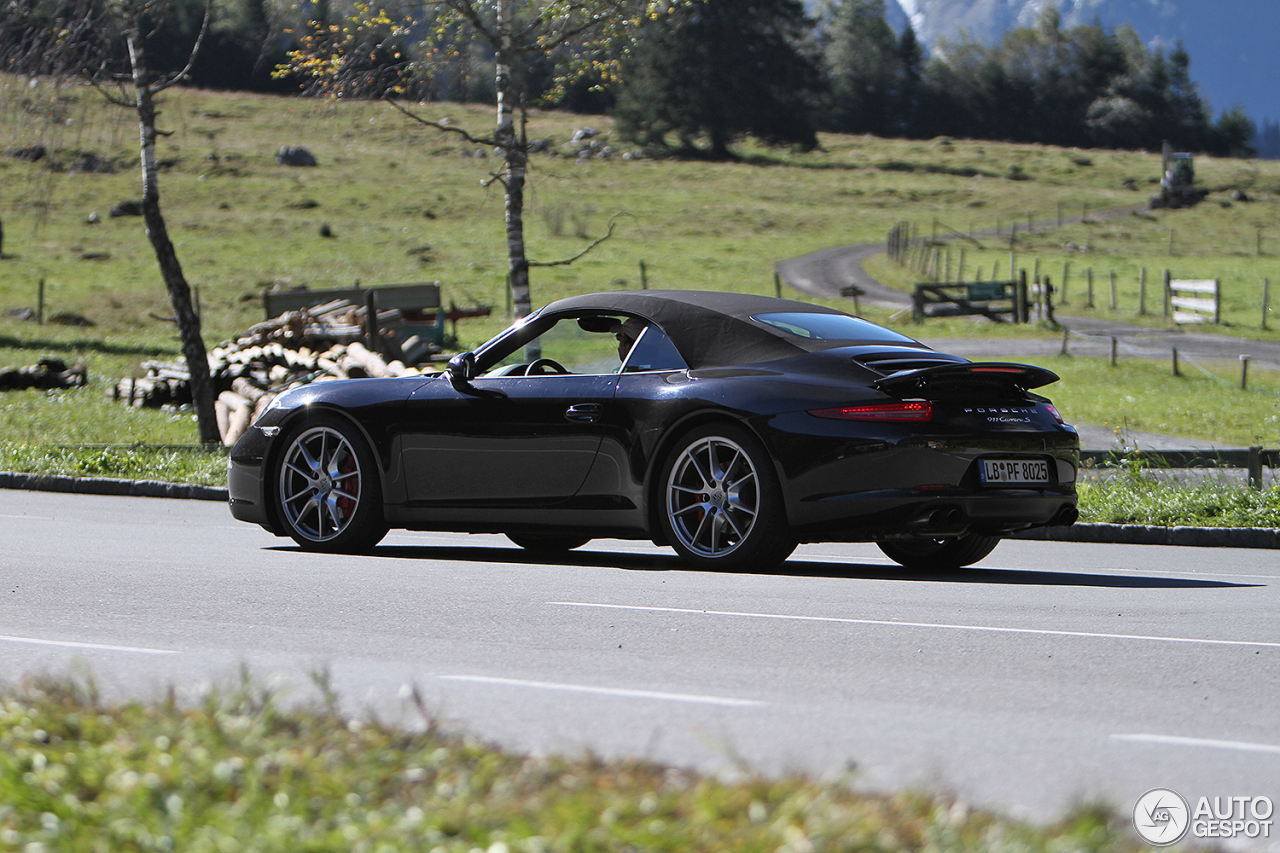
x: 729, y: 427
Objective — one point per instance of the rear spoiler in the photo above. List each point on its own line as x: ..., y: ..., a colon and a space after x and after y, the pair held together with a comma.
x: 954, y: 378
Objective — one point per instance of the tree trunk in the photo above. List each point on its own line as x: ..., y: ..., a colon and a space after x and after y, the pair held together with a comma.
x: 515, y: 166
x: 202, y: 396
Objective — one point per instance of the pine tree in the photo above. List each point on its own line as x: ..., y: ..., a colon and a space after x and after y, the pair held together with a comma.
x: 711, y: 72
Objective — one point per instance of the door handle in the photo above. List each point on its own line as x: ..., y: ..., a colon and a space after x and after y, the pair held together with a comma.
x: 584, y: 412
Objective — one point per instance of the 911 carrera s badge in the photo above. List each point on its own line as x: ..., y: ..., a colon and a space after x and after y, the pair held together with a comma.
x: 1003, y: 414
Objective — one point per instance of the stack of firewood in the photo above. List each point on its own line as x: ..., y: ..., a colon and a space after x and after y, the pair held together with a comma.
x: 296, y: 348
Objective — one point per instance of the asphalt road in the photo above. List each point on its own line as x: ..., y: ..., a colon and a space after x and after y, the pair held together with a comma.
x: 1051, y: 674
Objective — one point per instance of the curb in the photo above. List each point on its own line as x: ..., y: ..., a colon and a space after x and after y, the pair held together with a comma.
x: 1140, y: 534
x: 1113, y: 534
x: 108, y: 486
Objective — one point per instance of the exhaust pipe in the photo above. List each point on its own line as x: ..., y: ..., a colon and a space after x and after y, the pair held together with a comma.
x: 1066, y: 517
x: 949, y: 519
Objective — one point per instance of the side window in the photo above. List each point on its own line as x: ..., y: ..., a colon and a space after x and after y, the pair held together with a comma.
x: 567, y: 346
x: 653, y: 351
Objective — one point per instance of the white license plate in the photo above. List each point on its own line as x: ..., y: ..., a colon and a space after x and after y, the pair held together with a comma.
x: 1014, y: 472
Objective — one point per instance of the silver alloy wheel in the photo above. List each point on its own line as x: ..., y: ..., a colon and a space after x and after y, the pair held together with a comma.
x: 320, y: 484
x: 713, y: 496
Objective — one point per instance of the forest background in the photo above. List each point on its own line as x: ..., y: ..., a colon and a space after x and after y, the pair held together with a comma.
x: 706, y: 73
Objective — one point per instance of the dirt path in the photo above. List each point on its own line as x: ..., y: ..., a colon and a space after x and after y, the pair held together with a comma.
x: 825, y: 272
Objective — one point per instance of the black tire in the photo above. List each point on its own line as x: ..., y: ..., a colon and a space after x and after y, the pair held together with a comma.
x: 720, y: 503
x: 548, y: 543
x: 939, y: 553
x: 327, y: 491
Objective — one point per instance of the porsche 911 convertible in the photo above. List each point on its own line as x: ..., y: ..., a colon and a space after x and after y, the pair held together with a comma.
x: 726, y: 426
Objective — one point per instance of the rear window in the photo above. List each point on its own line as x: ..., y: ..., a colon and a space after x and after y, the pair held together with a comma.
x: 830, y: 327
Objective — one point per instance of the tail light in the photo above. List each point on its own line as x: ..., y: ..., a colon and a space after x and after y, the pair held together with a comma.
x: 912, y: 411
x: 1053, y: 411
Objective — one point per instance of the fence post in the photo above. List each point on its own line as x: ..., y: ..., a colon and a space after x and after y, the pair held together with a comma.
x: 1217, y: 301
x: 1089, y: 292
x: 1244, y: 373
x: 40, y: 306
x: 1255, y: 467
x: 1113, y: 290
x: 960, y: 274
x: 371, y: 320
x: 1066, y: 274
x: 1175, y: 362
x: 1142, y: 292
x: 644, y: 276
x: 1114, y: 352
x: 1168, y: 277
x: 1020, y: 298
x: 777, y: 285
x: 1266, y: 297
x: 1048, y: 299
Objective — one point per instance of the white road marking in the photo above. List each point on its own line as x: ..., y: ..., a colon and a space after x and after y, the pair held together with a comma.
x: 30, y: 517
x: 95, y: 646
x: 1173, y: 740
x: 607, y: 691
x: 895, y: 624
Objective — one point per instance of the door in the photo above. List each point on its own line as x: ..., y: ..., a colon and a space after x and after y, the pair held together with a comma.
x: 525, y: 433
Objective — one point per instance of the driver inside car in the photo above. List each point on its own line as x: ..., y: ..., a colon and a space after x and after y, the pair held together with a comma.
x: 627, y: 333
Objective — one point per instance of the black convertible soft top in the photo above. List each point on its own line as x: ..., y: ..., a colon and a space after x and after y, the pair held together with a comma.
x: 711, y: 328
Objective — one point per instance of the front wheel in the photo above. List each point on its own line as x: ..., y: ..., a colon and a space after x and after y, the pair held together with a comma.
x: 327, y: 489
x: 939, y: 553
x: 721, y: 502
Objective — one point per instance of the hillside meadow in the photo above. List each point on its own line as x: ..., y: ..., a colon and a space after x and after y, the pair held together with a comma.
x: 406, y: 203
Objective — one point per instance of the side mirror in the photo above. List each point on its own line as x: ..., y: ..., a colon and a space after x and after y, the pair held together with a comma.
x: 461, y: 370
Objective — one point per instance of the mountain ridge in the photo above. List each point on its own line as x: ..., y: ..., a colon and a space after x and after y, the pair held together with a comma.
x: 1230, y: 42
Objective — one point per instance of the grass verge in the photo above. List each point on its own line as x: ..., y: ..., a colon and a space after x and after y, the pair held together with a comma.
x: 191, y: 465
x: 240, y: 772
x: 1136, y: 496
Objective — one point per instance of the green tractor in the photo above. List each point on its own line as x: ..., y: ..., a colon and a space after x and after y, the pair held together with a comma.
x: 1177, y: 181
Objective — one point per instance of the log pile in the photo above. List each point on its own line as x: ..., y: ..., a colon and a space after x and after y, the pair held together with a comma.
x: 48, y: 374
x: 296, y: 348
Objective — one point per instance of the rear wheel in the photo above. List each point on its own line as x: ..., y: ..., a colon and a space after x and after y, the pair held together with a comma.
x: 327, y: 490
x: 721, y: 503
x: 939, y: 553
x: 548, y: 543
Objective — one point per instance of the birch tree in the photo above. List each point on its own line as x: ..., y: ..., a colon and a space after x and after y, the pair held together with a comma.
x: 374, y: 55
x: 106, y: 44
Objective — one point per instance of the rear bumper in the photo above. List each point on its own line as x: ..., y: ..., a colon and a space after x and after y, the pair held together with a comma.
x: 903, y: 514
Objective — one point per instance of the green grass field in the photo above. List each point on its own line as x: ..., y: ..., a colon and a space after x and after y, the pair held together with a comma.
x: 407, y: 203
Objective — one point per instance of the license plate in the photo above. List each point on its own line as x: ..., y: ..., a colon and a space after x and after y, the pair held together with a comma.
x: 1014, y: 472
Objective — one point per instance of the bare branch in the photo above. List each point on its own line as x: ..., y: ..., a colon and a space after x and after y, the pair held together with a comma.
x: 564, y: 263
x: 114, y: 100
x: 442, y: 126
x: 195, y: 49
